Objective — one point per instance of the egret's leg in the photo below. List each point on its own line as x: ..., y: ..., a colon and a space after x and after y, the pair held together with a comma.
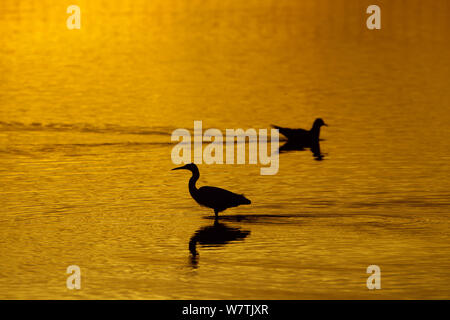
x: 216, y: 212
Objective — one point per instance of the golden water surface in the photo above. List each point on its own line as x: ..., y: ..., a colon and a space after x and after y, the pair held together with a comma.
x: 85, y: 123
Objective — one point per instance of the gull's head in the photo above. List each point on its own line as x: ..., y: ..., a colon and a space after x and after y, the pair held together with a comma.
x: 319, y: 122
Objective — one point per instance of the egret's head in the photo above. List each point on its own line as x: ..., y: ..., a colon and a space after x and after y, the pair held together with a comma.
x: 191, y: 167
x: 319, y: 122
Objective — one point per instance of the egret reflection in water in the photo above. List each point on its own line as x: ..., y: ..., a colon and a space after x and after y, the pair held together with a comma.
x: 217, y: 234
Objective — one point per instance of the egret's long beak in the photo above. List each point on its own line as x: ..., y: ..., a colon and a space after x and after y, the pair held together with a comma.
x: 183, y: 167
x: 325, y: 124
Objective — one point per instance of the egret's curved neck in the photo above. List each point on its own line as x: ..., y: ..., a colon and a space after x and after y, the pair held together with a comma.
x: 192, y: 188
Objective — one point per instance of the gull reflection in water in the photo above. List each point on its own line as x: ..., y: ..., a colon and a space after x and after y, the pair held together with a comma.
x: 314, y: 147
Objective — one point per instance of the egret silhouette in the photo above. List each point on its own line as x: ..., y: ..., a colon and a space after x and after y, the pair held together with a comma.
x: 212, y: 197
x: 302, y: 137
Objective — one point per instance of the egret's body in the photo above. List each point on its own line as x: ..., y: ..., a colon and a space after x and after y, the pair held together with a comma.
x: 212, y: 197
x: 302, y: 137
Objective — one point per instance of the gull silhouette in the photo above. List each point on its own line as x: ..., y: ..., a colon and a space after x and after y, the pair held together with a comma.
x: 302, y: 137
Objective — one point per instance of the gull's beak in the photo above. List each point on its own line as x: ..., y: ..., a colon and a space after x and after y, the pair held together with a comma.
x: 325, y: 124
x: 183, y: 167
